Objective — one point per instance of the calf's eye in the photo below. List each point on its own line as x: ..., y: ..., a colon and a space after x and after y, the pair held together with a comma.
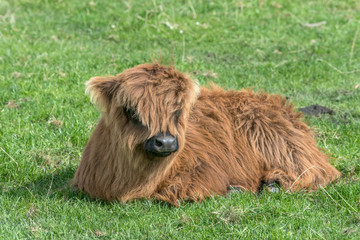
x: 177, y: 115
x: 132, y: 115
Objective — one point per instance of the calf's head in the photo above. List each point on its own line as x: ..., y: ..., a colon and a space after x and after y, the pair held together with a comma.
x: 146, y: 108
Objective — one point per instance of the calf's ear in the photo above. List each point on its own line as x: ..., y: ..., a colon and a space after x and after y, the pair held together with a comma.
x: 102, y: 90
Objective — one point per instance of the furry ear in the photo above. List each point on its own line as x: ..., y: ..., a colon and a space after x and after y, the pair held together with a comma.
x: 102, y: 90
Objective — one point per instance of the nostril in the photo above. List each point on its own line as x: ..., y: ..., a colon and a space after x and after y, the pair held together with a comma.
x: 158, y: 143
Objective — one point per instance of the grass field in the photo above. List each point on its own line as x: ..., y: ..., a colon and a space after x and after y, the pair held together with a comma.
x: 308, y: 51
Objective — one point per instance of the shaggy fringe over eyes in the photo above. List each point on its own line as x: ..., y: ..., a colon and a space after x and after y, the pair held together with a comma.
x: 227, y: 139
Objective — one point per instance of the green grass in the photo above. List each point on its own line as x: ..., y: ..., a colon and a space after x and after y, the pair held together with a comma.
x: 48, y: 49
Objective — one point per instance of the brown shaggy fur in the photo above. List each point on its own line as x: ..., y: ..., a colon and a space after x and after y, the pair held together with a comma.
x: 226, y: 138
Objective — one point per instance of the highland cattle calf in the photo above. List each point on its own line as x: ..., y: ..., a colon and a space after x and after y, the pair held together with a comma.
x: 162, y: 137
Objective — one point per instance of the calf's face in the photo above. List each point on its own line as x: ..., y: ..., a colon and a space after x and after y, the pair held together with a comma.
x: 147, y: 108
x: 160, y: 145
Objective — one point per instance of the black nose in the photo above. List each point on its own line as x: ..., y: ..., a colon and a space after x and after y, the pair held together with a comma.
x: 161, y: 145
